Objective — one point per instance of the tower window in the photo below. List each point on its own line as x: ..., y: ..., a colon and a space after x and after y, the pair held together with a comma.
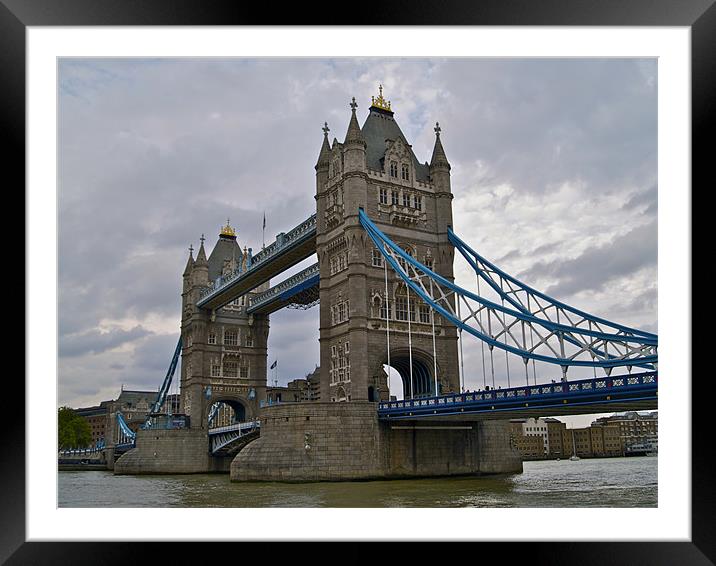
x: 249, y: 341
x: 383, y: 196
x: 406, y: 200
x: 230, y: 369
x: 394, y: 169
x: 401, y: 308
x: 215, y: 370
x: 212, y: 338
x: 405, y: 172
x: 394, y: 197
x: 231, y: 338
x: 418, y: 202
x: 377, y: 259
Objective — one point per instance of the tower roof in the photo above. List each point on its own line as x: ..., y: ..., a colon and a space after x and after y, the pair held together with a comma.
x: 225, y: 248
x: 380, y: 126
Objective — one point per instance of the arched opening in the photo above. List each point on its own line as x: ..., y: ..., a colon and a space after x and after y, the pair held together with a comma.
x: 422, y: 383
x: 226, y: 412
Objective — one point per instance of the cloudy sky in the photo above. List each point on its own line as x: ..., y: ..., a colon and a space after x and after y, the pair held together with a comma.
x: 554, y: 172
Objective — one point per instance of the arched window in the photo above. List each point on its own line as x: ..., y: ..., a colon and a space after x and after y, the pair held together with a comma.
x: 405, y: 172
x: 394, y: 169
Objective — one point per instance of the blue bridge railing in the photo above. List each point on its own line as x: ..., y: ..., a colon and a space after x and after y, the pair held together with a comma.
x: 641, y: 386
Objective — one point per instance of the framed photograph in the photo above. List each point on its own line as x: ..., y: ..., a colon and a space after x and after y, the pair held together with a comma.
x: 560, y: 141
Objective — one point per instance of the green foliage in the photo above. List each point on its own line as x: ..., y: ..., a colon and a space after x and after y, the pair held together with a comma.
x: 73, y: 430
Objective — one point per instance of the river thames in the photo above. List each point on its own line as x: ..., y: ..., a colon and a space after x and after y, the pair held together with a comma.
x: 608, y: 482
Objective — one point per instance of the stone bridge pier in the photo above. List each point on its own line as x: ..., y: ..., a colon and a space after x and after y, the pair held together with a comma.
x: 346, y: 441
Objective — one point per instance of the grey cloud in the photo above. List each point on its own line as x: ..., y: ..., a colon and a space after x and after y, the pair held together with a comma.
x: 594, y: 268
x: 96, y: 342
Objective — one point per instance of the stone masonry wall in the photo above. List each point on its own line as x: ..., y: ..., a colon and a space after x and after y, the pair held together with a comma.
x: 184, y: 451
x: 343, y: 443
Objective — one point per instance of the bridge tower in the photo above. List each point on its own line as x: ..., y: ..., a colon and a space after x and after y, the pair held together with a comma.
x: 375, y: 168
x: 224, y: 351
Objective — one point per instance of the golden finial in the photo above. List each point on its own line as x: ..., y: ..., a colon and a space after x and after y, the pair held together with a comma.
x: 227, y: 230
x: 380, y: 102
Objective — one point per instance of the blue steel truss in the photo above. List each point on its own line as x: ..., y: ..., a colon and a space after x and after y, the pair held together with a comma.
x: 530, y: 301
x: 126, y: 436
x: 507, y: 328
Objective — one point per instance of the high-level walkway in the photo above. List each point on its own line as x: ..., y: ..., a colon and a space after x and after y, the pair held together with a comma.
x: 286, y: 251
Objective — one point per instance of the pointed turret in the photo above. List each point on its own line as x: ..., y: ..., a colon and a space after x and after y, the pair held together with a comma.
x: 201, y: 266
x: 439, y: 159
x: 324, y: 156
x: 324, y: 159
x: 189, y: 263
x: 354, y: 145
x: 201, y: 256
x: 354, y: 134
x: 440, y: 178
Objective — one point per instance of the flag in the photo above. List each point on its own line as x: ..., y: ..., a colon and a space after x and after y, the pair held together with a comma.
x: 264, y: 220
x: 273, y: 365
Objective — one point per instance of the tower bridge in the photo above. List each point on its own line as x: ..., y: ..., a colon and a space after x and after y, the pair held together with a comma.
x: 385, y: 244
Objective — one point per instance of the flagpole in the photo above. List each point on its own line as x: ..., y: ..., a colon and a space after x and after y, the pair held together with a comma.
x: 263, y: 233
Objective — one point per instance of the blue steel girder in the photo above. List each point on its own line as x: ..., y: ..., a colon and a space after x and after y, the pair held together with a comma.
x: 286, y: 292
x: 164, y: 389
x: 506, y: 328
x: 286, y: 251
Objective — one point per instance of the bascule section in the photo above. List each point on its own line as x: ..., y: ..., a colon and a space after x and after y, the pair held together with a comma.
x: 369, y: 318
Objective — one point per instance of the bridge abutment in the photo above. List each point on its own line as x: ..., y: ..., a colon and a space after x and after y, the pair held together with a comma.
x: 178, y: 451
x: 346, y: 441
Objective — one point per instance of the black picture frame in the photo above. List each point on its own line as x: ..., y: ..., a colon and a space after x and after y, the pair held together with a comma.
x: 698, y: 15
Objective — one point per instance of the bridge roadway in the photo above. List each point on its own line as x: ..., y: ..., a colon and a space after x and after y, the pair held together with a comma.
x: 634, y: 392
x: 301, y: 288
x: 286, y: 251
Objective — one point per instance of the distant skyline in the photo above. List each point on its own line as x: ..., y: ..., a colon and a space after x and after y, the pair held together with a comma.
x: 554, y: 174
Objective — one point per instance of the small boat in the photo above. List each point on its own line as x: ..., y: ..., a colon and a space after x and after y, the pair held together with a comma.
x: 574, y: 458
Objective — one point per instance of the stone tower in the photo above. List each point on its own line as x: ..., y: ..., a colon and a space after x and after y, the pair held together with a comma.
x: 375, y: 169
x: 224, y: 351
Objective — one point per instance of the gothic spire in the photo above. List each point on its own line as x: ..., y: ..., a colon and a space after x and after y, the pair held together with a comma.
x: 325, y: 155
x: 354, y: 134
x: 190, y: 261
x: 439, y: 158
x: 201, y: 256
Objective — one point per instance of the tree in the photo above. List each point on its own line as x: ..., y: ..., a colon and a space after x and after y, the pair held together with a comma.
x: 72, y: 430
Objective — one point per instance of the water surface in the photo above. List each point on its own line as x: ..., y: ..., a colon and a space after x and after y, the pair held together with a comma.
x: 608, y: 482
